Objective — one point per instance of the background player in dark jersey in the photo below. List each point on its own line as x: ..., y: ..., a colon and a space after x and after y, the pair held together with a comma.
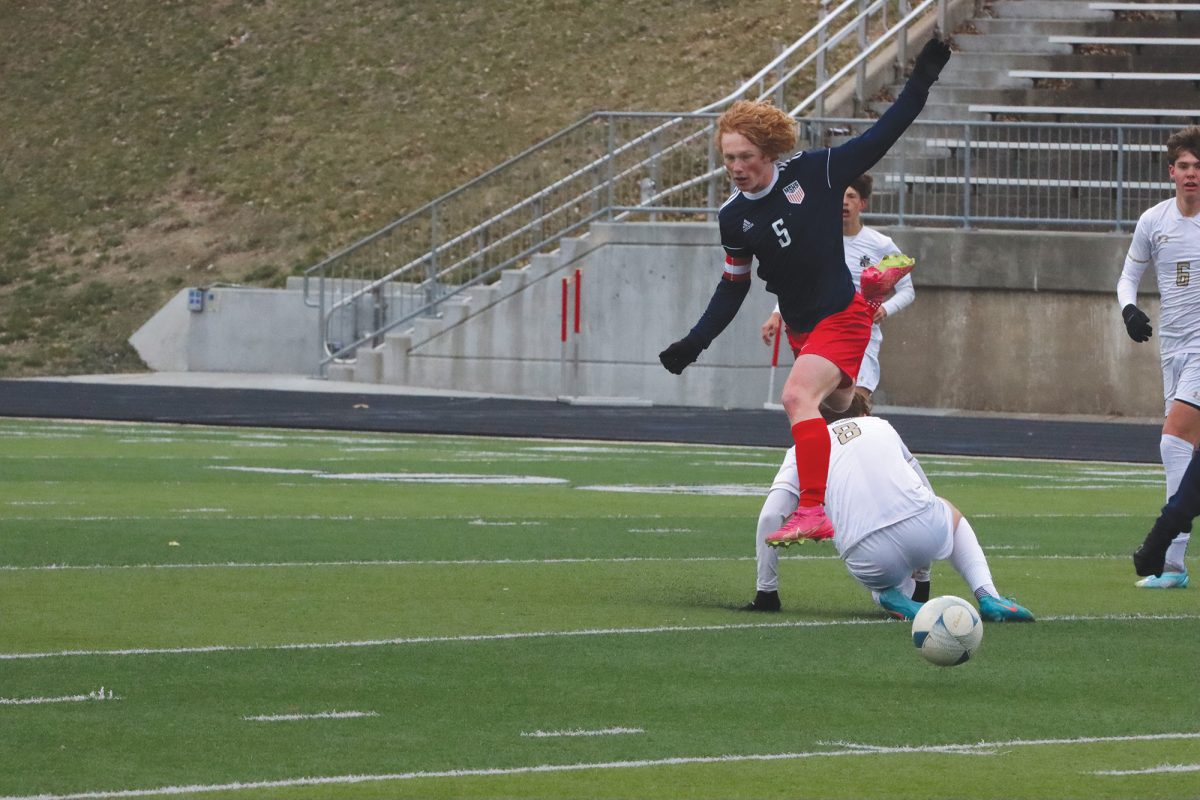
x: 788, y: 217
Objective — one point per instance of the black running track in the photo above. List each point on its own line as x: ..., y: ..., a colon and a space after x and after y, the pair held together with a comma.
x: 954, y: 434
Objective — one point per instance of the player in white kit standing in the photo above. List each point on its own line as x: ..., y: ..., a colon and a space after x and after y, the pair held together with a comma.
x: 1167, y: 238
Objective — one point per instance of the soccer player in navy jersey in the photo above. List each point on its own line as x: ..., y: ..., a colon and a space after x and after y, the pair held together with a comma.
x: 788, y: 216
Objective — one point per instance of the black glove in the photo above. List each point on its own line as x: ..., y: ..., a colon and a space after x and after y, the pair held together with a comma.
x: 679, y: 354
x: 930, y: 60
x: 1136, y: 323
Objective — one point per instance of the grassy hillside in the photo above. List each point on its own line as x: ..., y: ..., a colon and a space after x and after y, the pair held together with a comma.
x: 150, y: 145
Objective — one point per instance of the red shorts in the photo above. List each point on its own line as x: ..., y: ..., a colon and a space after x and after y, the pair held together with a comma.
x: 841, y: 338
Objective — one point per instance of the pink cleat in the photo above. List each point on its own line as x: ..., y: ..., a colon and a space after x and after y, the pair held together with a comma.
x: 808, y: 522
x: 880, y: 279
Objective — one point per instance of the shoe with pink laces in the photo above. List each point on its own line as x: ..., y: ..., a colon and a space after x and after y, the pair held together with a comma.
x: 807, y: 522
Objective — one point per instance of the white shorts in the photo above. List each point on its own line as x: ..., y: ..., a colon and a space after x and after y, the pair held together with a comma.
x: 1181, y: 380
x: 868, y: 373
x: 787, y: 477
x: 888, y: 556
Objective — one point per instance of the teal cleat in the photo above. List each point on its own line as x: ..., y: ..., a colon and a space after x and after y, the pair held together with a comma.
x: 1168, y: 580
x: 1003, y: 609
x: 895, y: 603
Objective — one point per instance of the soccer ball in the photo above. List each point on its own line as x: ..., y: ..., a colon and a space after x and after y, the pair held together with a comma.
x: 947, y: 631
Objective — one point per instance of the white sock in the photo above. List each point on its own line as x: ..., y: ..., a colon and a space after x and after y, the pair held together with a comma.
x: 778, y: 506
x: 1176, y: 455
x: 968, y: 560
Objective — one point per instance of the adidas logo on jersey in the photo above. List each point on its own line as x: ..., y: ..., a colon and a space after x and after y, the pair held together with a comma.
x: 746, y: 225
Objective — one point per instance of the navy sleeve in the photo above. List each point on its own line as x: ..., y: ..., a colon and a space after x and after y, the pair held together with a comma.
x: 732, y: 238
x: 722, y: 308
x: 848, y: 161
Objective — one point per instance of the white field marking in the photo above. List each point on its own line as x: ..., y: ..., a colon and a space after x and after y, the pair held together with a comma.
x: 763, y: 464
x: 1132, y: 479
x: 402, y: 477
x: 518, y: 635
x: 1109, y: 515
x: 331, y: 780
x: 505, y: 523
x: 581, y: 448
x: 413, y: 640
x: 200, y: 510
x: 318, y: 715
x: 1092, y: 487
x: 721, y: 490
x: 30, y: 434
x: 174, y: 440
x: 999, y: 745
x: 226, y: 518
x: 600, y: 732
x: 441, y: 477
x: 472, y: 562
x: 661, y: 530
x: 101, y: 694
x: 267, y: 470
x: 288, y: 517
x: 1159, y: 770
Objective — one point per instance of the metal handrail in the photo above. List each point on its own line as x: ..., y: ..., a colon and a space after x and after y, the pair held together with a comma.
x: 370, y: 303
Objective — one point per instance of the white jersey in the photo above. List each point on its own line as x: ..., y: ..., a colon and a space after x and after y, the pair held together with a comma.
x: 873, y: 480
x: 1170, y: 242
x: 865, y: 248
x: 868, y: 247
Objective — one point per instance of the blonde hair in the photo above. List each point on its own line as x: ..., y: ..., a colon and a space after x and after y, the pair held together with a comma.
x: 764, y: 125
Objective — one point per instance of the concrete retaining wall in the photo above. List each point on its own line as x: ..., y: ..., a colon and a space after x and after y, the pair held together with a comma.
x: 1003, y: 321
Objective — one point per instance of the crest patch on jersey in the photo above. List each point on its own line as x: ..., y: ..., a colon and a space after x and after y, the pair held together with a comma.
x: 794, y: 193
x: 746, y: 225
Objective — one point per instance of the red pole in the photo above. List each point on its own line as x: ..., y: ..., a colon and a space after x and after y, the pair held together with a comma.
x: 564, y: 309
x: 778, y: 336
x: 578, y: 296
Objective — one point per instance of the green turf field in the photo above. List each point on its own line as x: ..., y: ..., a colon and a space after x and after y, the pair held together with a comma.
x: 237, y: 613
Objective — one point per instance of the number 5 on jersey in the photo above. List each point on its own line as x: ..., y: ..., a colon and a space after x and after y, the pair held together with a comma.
x: 785, y: 238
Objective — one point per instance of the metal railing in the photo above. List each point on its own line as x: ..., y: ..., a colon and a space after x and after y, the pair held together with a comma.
x: 1033, y: 175
x: 606, y: 166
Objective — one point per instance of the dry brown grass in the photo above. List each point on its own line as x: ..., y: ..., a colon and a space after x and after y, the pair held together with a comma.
x: 155, y: 144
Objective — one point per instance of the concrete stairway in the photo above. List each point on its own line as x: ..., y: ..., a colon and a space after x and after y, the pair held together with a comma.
x: 396, y: 360
x: 1015, y: 35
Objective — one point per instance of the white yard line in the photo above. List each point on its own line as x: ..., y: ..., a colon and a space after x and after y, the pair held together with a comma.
x: 101, y: 694
x: 599, y: 732
x: 497, y: 637
x: 1162, y: 769
x: 411, y: 640
x: 856, y: 750
x: 812, y: 555
x: 470, y: 562
x: 318, y: 715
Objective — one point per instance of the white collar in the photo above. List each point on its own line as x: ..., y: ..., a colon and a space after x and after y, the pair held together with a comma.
x: 761, y: 193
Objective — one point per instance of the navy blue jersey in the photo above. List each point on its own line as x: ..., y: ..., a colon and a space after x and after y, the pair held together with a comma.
x: 793, y: 228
